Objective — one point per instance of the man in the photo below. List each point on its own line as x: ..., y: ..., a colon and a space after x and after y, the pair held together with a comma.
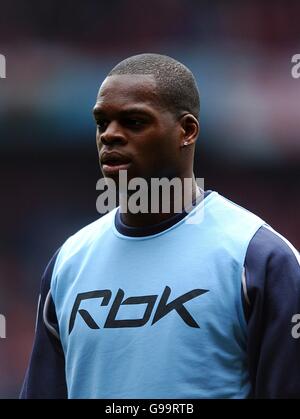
x: 149, y: 304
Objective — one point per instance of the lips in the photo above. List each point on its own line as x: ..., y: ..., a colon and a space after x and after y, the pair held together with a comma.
x: 114, y: 161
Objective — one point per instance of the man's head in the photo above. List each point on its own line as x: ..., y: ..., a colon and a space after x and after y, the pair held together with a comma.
x: 147, y: 118
x: 176, y: 85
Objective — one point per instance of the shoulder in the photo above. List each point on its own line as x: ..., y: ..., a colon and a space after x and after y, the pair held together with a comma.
x: 229, y: 214
x: 272, y: 268
x: 271, y: 286
x: 234, y: 224
x: 87, y: 236
x: 230, y: 209
x: 74, y: 250
x: 270, y: 249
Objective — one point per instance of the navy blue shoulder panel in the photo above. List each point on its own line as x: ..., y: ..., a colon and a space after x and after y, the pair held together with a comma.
x: 273, y: 292
x: 45, y: 376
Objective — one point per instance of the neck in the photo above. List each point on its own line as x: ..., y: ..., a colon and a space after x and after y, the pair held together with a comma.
x: 175, y: 203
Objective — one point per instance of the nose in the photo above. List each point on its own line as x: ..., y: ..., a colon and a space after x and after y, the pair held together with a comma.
x: 112, y: 134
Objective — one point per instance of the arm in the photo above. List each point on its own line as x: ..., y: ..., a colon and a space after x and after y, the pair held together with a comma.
x: 273, y: 292
x: 45, y: 376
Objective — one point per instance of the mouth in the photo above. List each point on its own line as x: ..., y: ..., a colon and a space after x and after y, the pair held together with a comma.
x: 114, y: 162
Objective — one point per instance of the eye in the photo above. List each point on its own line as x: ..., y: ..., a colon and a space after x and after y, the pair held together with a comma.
x: 134, y: 123
x: 102, y: 125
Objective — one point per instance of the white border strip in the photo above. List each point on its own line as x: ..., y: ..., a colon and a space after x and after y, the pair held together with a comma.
x: 244, y: 283
x: 47, y: 324
x: 37, y: 312
x: 293, y: 249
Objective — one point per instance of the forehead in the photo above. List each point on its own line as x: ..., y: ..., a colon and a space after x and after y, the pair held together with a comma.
x: 128, y: 89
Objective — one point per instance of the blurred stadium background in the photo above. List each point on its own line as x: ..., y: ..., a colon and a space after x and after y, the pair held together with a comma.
x: 57, y: 55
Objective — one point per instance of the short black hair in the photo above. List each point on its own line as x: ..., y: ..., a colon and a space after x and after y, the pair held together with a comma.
x: 176, y: 84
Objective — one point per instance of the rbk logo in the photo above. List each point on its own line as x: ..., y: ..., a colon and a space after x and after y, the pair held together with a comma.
x: 164, y: 307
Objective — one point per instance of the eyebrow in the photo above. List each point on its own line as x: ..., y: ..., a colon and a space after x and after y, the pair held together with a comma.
x: 125, y: 112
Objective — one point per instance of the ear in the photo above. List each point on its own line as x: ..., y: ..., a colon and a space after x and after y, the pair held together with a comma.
x: 190, y: 129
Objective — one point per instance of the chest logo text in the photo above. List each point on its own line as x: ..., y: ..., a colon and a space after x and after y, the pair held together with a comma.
x: 163, y: 308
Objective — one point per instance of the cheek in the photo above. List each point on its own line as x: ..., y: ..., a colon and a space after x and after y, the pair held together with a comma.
x: 156, y: 159
x: 98, y: 142
x: 166, y: 147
